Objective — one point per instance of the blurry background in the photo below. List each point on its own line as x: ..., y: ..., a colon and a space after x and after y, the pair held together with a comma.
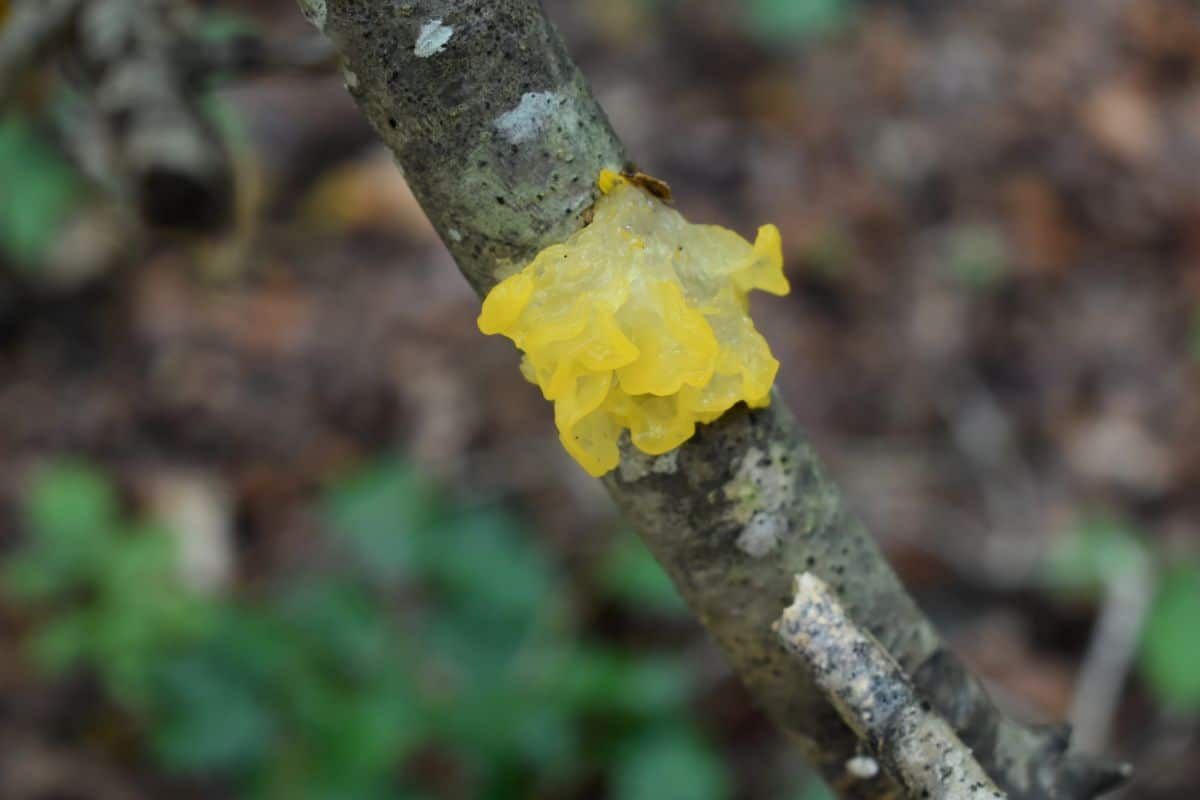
x: 277, y: 521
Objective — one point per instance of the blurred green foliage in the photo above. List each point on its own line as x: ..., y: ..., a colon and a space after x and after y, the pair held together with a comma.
x: 977, y: 257
x: 1091, y: 555
x: 783, y: 22
x: 814, y: 789
x: 628, y: 573
x: 40, y: 191
x: 1170, y: 651
x: 434, y: 633
x: 1100, y: 551
x: 108, y: 585
x: 1193, y: 336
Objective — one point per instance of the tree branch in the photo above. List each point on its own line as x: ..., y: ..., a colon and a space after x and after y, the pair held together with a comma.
x: 877, y: 701
x: 501, y: 142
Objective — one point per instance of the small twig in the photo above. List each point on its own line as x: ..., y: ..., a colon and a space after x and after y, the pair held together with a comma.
x: 875, y: 698
x: 1109, y: 655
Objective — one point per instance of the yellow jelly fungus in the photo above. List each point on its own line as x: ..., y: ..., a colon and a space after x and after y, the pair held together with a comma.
x: 640, y: 321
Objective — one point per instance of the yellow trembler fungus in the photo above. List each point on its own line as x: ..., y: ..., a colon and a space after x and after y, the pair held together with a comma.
x: 640, y: 321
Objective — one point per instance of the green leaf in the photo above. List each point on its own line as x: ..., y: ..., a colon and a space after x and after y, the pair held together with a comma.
x: 602, y: 680
x: 217, y: 26
x: 1170, y: 651
x: 69, y: 514
x: 69, y: 501
x: 815, y: 789
x: 209, y: 718
x: 977, y: 257
x: 338, y: 625
x: 63, y: 643
x: 784, y: 21
x: 1092, y: 555
x: 40, y: 191
x: 1193, y: 339
x: 378, y: 513
x: 630, y: 574
x: 547, y: 737
x: 669, y: 764
x: 487, y: 568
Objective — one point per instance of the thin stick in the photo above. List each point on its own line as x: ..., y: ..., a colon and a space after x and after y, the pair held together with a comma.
x: 1110, y: 655
x: 877, y: 700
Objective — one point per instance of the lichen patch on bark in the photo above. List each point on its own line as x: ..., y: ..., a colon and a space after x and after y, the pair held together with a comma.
x: 432, y: 39
x: 314, y: 11
x: 759, y: 496
x: 530, y: 115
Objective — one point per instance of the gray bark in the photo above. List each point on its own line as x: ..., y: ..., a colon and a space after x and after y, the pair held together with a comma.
x: 501, y: 141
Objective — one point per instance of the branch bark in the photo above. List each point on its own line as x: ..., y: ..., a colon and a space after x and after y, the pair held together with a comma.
x: 500, y: 140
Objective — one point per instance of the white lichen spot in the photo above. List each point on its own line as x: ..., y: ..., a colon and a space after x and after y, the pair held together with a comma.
x: 637, y: 465
x: 666, y: 464
x: 525, y: 120
x: 759, y: 495
x: 315, y: 12
x: 350, y: 78
x: 454, y: 235
x: 862, y: 767
x: 634, y: 467
x: 761, y: 535
x: 432, y: 38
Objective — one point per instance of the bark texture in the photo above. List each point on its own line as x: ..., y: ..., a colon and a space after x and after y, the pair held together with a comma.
x: 501, y: 141
x: 491, y: 122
